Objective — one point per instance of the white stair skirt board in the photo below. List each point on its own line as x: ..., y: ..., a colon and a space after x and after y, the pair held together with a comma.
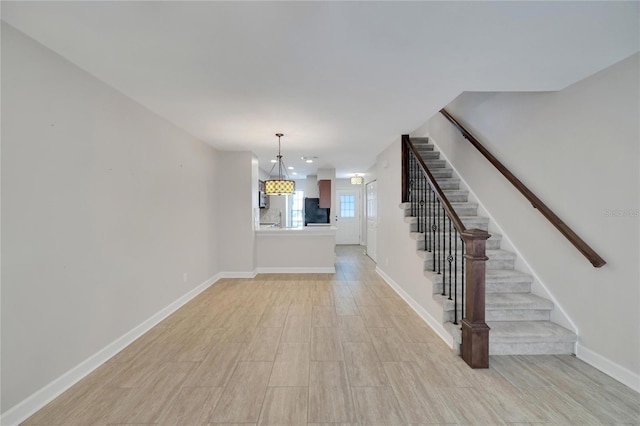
x: 435, y: 325
x: 49, y: 392
x: 521, y: 320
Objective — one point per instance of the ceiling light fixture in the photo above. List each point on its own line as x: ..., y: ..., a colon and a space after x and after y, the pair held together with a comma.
x: 282, y: 185
x: 357, y: 180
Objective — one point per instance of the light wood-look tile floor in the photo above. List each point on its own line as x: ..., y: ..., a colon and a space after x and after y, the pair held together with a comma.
x: 344, y: 348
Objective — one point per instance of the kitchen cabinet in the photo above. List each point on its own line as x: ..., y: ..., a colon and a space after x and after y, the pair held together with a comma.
x: 296, y: 250
x: 325, y: 193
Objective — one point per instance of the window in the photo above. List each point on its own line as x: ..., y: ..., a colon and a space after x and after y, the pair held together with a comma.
x: 295, y: 207
x: 347, y: 205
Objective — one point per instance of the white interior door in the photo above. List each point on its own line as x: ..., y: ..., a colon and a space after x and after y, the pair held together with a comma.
x: 348, y: 216
x: 372, y: 219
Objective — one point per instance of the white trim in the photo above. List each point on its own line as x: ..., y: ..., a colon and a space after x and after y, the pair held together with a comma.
x: 28, y: 406
x: 435, y: 325
x: 618, y: 372
x: 512, y: 247
x: 251, y: 274
x: 298, y: 270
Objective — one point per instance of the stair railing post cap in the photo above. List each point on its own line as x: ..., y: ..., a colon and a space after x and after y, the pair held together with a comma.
x: 476, y: 234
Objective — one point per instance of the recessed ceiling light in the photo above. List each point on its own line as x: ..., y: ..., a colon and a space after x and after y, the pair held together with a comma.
x: 309, y: 161
x: 290, y: 167
x: 274, y: 161
x: 294, y: 173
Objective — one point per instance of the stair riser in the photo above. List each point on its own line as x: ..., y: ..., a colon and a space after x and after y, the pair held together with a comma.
x: 444, y: 184
x: 511, y: 315
x: 441, y: 173
x: 468, y: 223
x: 490, y: 264
x: 535, y: 348
x: 491, y: 244
x: 458, y: 198
x: 460, y: 210
x: 507, y: 287
x: 517, y: 315
x: 413, y: 227
x: 507, y: 264
x: 490, y: 287
x: 435, y: 164
x: 430, y: 155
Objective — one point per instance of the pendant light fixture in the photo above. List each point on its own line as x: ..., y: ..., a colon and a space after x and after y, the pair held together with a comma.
x: 283, y: 185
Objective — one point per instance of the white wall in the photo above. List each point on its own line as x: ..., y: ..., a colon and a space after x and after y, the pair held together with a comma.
x: 578, y: 150
x: 105, y: 206
x: 236, y: 213
x: 311, y: 187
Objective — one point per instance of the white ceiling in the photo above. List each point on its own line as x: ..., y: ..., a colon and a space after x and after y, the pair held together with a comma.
x: 341, y: 79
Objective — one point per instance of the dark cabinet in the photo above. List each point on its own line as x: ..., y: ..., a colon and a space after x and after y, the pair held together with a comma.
x: 325, y: 193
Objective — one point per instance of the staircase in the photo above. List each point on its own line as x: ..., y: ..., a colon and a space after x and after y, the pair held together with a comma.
x: 519, y: 321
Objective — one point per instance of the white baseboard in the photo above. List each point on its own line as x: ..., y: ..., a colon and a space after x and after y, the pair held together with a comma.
x: 298, y: 270
x: 238, y: 274
x: 618, y: 372
x: 49, y: 392
x: 435, y: 325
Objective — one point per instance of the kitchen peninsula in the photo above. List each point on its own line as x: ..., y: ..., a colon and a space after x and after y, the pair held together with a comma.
x: 309, y: 249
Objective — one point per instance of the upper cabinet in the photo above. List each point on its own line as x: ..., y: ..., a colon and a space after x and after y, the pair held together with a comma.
x: 324, y: 186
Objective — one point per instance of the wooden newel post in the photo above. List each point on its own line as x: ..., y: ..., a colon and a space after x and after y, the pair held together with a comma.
x: 475, y: 331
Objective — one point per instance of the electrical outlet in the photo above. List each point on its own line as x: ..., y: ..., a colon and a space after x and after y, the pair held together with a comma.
x: 184, y: 277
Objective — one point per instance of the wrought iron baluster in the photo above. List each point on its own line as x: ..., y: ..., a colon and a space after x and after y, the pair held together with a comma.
x: 413, y: 184
x: 462, y: 278
x: 423, y: 202
x: 444, y: 247
x: 455, y: 277
x: 426, y: 217
x: 420, y: 199
x: 450, y: 259
x: 410, y: 182
x: 438, y: 236
x: 428, y: 232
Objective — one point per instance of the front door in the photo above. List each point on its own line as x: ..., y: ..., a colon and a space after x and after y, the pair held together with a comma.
x: 348, y: 216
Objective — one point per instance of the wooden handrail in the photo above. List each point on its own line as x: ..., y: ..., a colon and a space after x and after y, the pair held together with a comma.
x: 564, y: 229
x: 436, y: 188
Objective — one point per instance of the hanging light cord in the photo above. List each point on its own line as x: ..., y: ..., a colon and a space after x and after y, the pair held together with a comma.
x: 280, y: 162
